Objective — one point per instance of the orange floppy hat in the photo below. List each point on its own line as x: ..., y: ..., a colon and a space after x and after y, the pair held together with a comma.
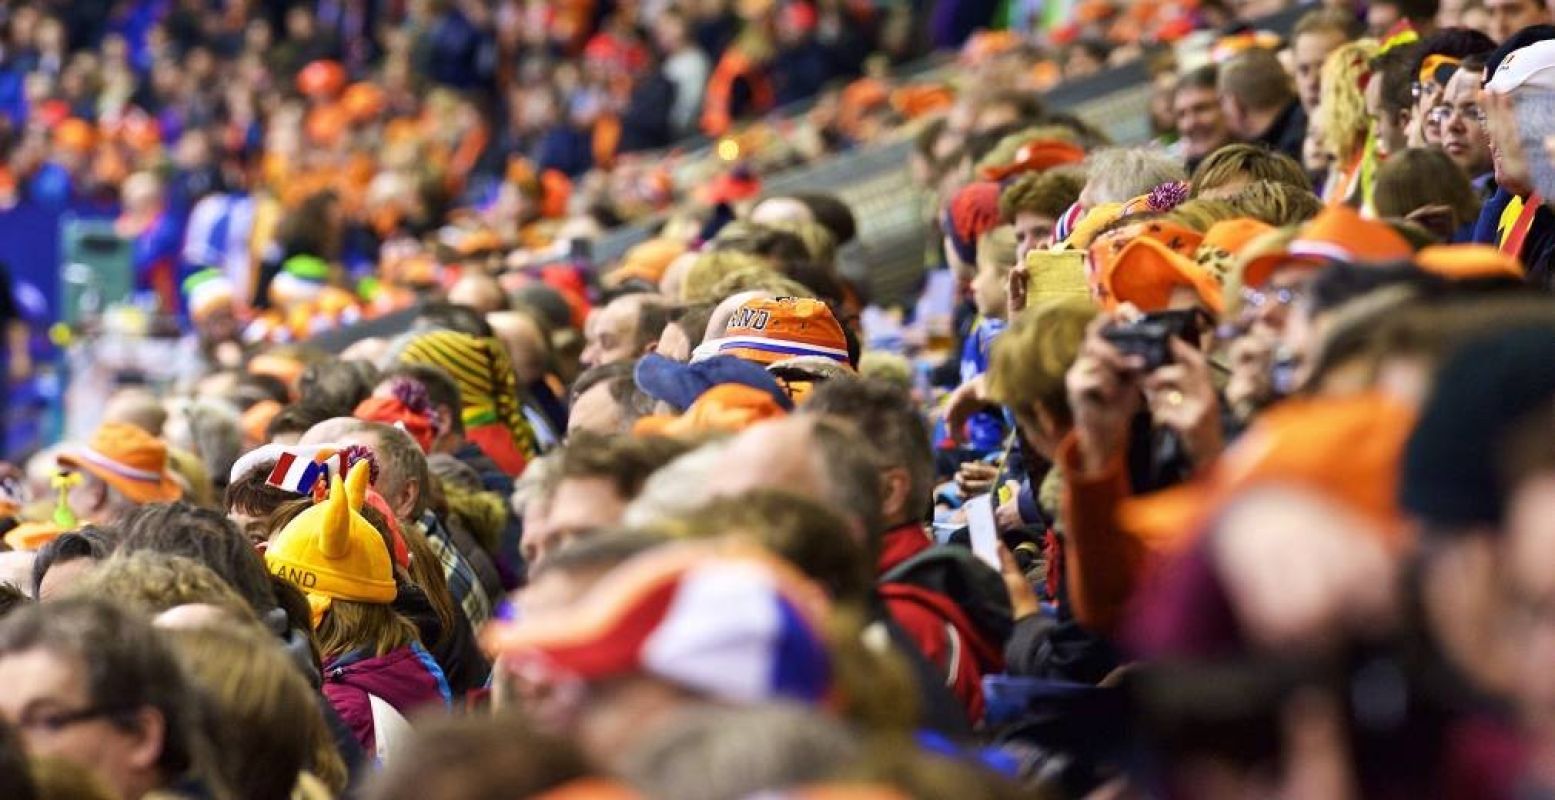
x: 1461, y: 262
x: 1102, y: 251
x: 1347, y: 448
x: 767, y: 331
x: 128, y: 459
x: 1146, y: 271
x: 1037, y: 155
x: 1337, y: 233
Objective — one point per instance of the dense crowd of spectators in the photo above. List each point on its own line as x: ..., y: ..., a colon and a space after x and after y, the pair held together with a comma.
x: 1219, y: 466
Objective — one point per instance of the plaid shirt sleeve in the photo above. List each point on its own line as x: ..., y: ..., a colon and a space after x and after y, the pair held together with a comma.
x: 462, y: 582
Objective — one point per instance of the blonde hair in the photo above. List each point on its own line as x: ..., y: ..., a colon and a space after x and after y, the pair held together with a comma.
x: 373, y: 627
x: 996, y: 249
x: 1242, y: 163
x: 1342, y: 109
x: 1277, y: 203
x: 757, y: 279
x: 1200, y: 214
x: 710, y: 268
x: 267, y: 723
x: 818, y: 240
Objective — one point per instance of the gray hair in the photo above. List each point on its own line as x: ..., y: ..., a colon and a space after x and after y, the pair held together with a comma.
x: 1534, y: 112
x: 210, y: 429
x: 1119, y: 174
x: 724, y: 753
x: 678, y: 488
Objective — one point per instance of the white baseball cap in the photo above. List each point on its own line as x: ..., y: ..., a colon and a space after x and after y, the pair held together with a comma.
x: 1532, y: 66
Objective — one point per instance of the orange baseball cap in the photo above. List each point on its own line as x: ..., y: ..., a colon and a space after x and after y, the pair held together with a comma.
x: 1337, y: 233
x: 128, y: 459
x: 1348, y: 449
x: 727, y: 407
x: 1037, y: 155
x: 768, y: 331
x: 1461, y: 262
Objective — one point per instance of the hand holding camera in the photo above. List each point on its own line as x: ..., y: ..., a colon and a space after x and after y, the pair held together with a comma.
x: 1154, y: 358
x: 1182, y: 399
x: 1104, y: 394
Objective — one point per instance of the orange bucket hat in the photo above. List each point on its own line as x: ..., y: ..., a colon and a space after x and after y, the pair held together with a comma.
x: 1147, y: 270
x: 768, y: 331
x: 128, y: 459
x: 1103, y: 251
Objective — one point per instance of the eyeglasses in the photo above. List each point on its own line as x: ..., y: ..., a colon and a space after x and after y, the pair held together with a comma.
x: 56, y: 721
x: 1438, y: 115
x: 1284, y: 296
x: 1419, y: 90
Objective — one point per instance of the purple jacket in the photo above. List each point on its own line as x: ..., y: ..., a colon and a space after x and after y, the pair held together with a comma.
x: 405, y: 679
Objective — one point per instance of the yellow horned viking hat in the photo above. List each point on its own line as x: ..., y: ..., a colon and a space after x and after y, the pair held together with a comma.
x: 331, y: 552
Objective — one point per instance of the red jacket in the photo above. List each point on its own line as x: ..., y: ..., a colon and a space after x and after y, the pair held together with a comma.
x: 937, y: 625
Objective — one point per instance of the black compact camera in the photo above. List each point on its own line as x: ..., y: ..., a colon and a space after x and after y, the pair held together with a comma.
x: 1150, y: 336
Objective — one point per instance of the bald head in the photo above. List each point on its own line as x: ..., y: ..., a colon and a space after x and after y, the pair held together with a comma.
x: 624, y: 329
x: 330, y: 431
x: 778, y: 210
x: 479, y: 291
x: 525, y: 342
x: 822, y: 458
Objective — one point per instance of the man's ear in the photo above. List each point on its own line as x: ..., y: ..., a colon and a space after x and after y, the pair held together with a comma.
x: 405, y: 504
x: 149, y: 736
